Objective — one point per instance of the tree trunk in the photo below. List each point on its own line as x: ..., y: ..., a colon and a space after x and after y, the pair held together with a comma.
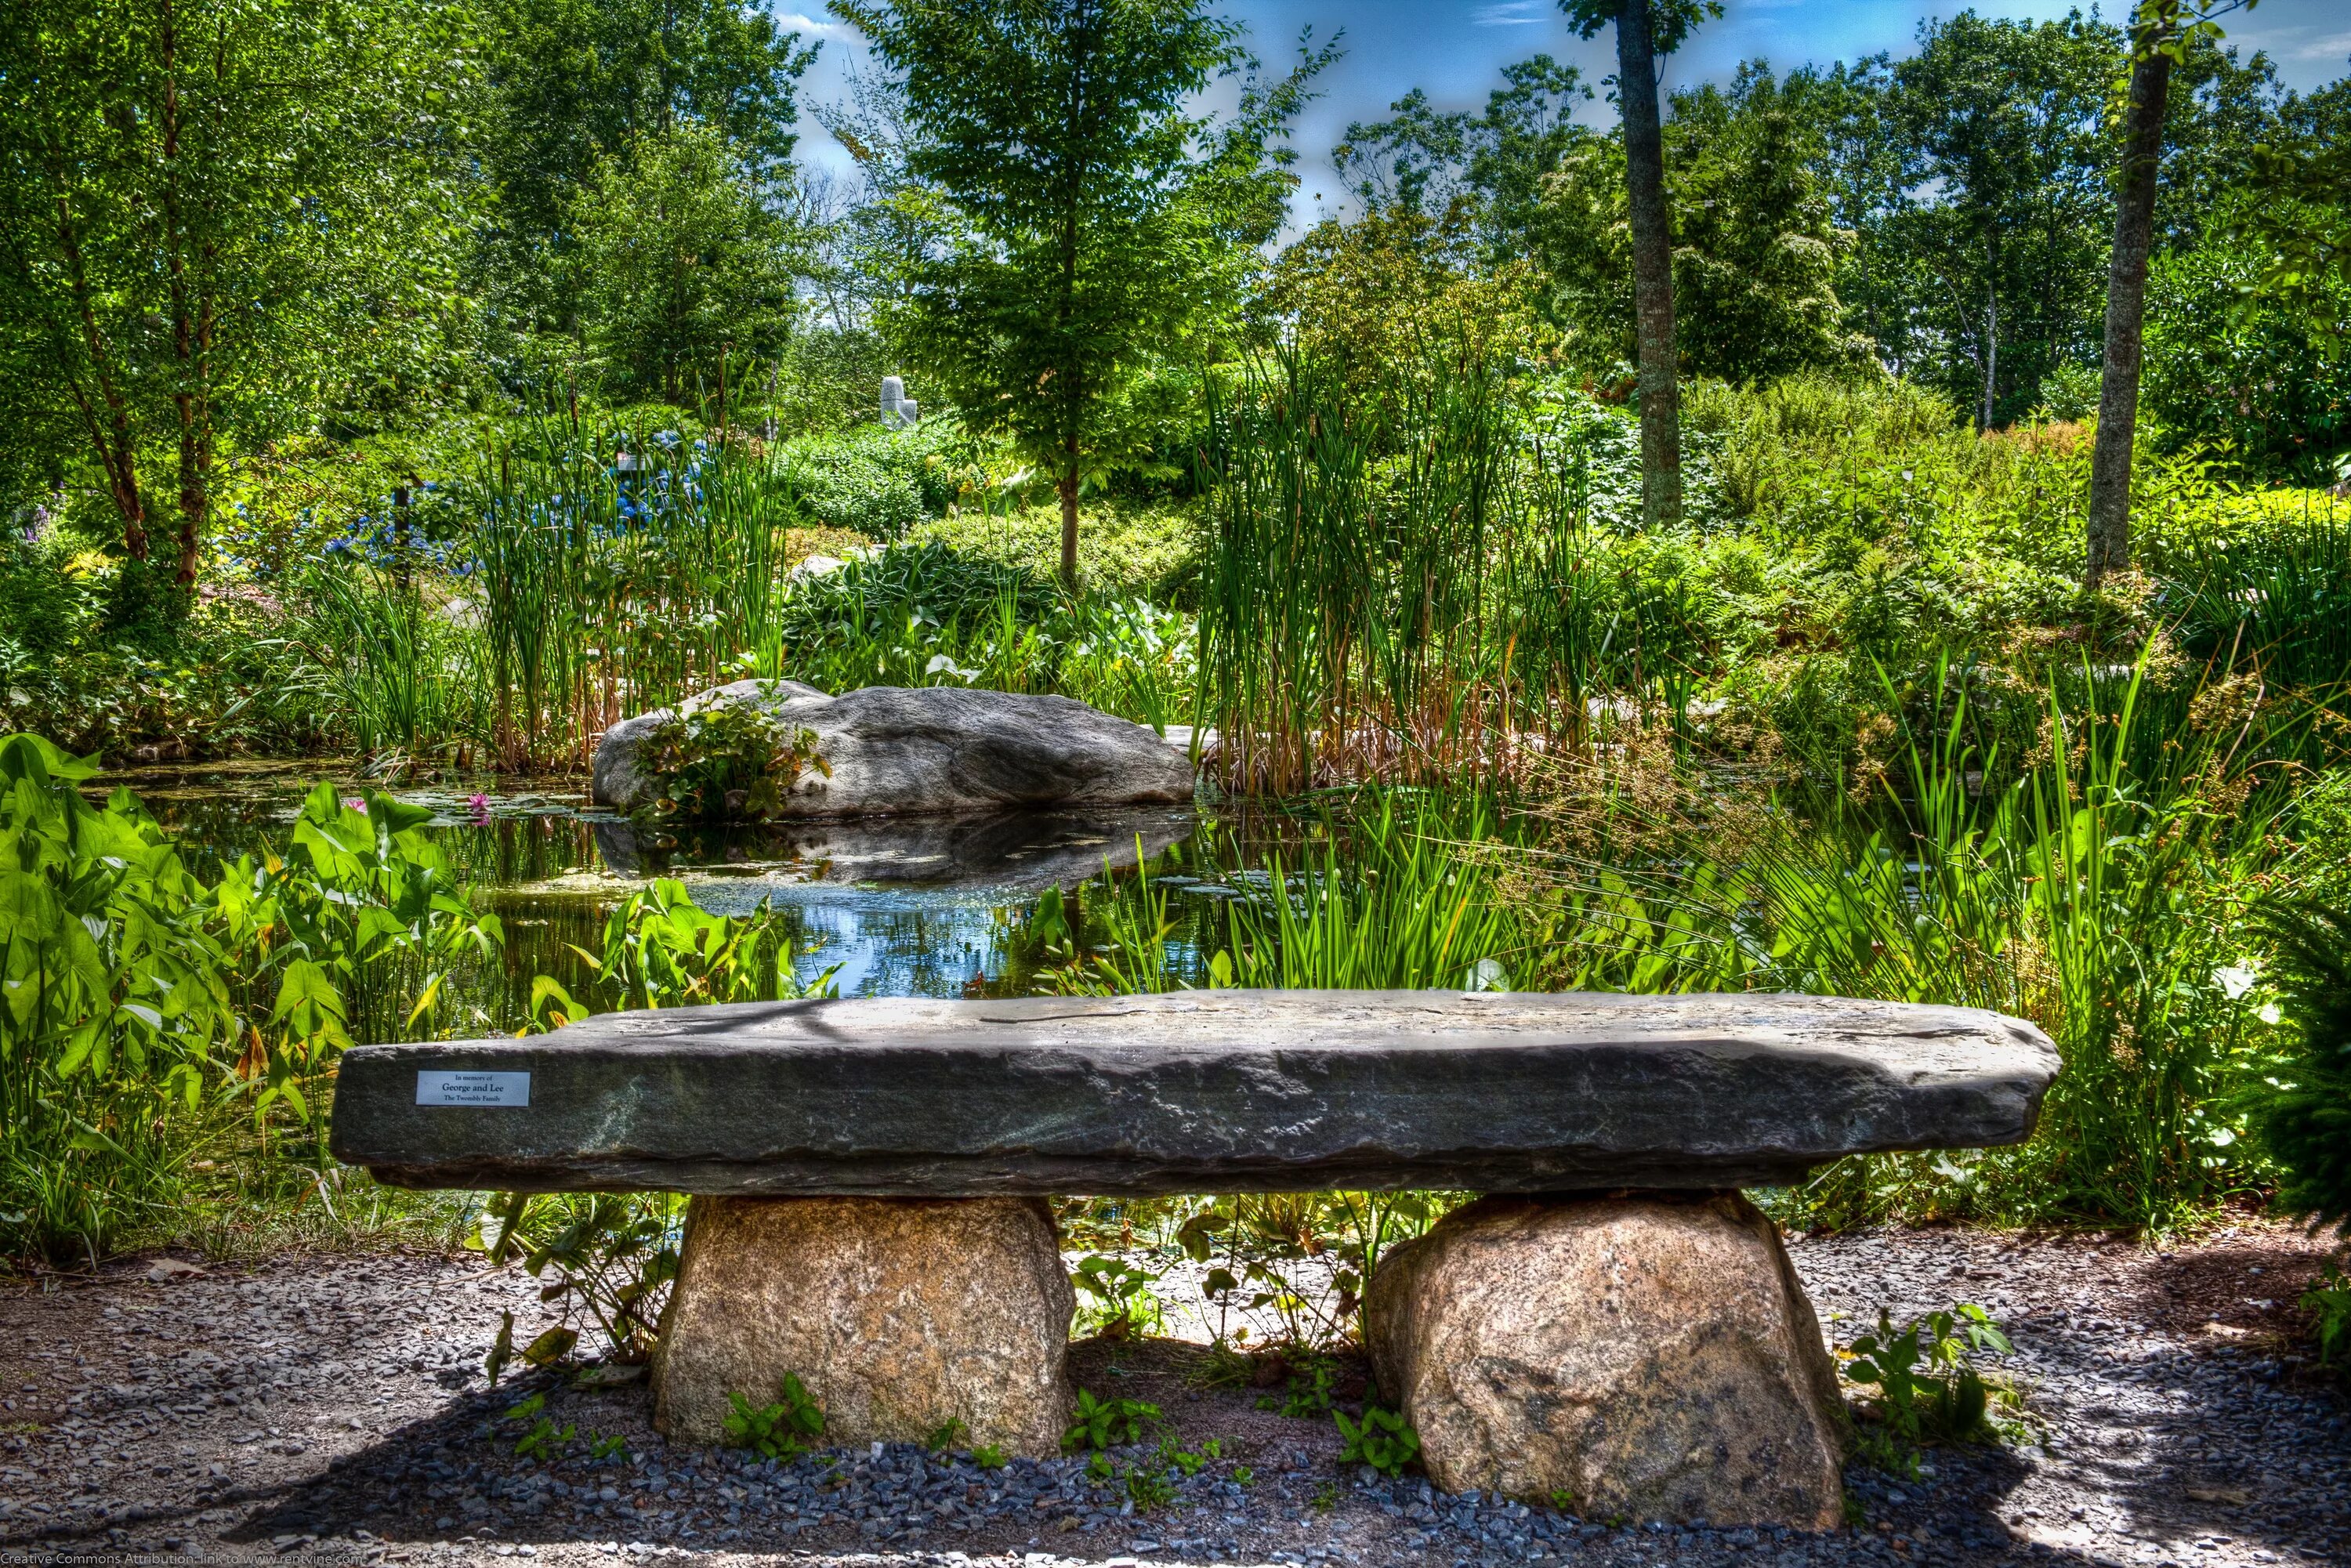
x: 1991, y: 349
x: 1653, y: 268
x: 186, y: 391
x: 2110, y: 461
x: 109, y: 427
x: 1068, y: 487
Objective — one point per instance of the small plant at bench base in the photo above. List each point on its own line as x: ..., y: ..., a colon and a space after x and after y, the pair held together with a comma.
x: 612, y: 1258
x: 545, y: 1440
x: 730, y: 761
x: 1313, y: 1379
x: 1129, y: 1307
x: 1383, y: 1439
x: 2328, y: 1302
x: 777, y: 1431
x: 1927, y: 1389
x: 1107, y: 1423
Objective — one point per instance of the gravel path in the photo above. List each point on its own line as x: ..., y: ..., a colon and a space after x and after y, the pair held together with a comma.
x: 333, y: 1410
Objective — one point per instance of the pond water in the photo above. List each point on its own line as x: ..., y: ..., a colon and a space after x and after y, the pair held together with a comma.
x: 912, y: 907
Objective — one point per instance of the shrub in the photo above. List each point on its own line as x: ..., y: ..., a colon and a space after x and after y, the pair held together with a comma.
x: 877, y: 482
x: 730, y: 761
x: 1927, y: 1389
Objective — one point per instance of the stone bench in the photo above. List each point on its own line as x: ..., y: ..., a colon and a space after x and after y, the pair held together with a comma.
x: 1613, y: 1321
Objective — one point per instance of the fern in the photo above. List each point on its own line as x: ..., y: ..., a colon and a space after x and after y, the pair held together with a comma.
x: 2304, y: 1118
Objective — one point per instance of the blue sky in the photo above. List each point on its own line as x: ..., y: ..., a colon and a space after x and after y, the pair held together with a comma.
x: 1457, y: 51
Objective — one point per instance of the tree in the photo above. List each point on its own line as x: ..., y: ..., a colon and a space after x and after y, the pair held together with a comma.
x: 683, y: 254
x: 2301, y: 219
x: 2003, y: 206
x: 2154, y: 43
x: 212, y: 213
x: 573, y: 81
x: 1092, y: 220
x: 1644, y: 30
x: 1422, y: 160
x: 2263, y: 380
x: 1755, y: 251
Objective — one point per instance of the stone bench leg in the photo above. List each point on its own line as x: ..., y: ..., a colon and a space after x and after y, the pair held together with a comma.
x: 1642, y: 1356
x: 899, y: 1314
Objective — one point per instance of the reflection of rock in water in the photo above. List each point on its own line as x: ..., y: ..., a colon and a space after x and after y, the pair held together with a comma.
x: 1022, y: 851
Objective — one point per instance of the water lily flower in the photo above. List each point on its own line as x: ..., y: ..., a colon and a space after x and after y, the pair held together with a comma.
x: 354, y: 804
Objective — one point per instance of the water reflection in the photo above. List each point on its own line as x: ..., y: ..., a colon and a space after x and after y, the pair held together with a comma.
x: 915, y: 906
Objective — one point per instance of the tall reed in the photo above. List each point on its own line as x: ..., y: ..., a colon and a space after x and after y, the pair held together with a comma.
x: 1410, y: 588
x: 608, y: 588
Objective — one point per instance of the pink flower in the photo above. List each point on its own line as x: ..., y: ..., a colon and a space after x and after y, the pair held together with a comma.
x: 354, y: 804
x: 478, y: 804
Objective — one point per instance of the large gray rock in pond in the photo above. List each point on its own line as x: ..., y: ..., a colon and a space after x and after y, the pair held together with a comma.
x: 930, y: 750
x: 1644, y: 1356
x: 1194, y: 1092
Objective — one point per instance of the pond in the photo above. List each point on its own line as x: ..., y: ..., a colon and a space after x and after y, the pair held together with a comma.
x: 904, y: 907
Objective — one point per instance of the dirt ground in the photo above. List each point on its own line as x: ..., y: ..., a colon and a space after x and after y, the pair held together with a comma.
x: 334, y: 1408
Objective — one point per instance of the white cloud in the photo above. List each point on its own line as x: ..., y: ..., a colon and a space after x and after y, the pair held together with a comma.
x: 796, y: 22
x: 1509, y: 13
x: 2328, y: 48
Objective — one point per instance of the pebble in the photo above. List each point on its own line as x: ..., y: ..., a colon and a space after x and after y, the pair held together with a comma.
x: 332, y: 1412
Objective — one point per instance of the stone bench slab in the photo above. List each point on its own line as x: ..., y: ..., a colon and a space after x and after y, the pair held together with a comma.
x: 1194, y: 1092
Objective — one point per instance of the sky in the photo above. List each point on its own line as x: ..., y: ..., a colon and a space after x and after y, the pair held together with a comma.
x: 1456, y: 50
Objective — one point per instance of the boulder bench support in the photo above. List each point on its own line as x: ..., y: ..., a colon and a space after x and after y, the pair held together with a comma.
x: 1613, y: 1327
x: 900, y: 1315
x: 1634, y: 1355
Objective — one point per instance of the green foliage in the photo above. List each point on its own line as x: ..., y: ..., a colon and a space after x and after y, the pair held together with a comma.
x: 1424, y: 162
x: 989, y: 1457
x: 1927, y: 1389
x: 1125, y: 1306
x: 161, y: 300
x: 1148, y: 1488
x: 543, y: 1439
x: 877, y: 482
x: 1756, y: 248
x: 1121, y: 234
x: 662, y: 950
x: 612, y: 1256
x: 1383, y: 1440
x: 1313, y: 1380
x: 142, y: 1000
x: 2260, y: 383
x: 729, y: 759
x: 1100, y: 1424
x: 921, y: 615
x: 573, y: 80
x: 2328, y: 1302
x: 570, y: 553
x: 783, y: 1430
x: 2301, y: 1110
x: 682, y: 258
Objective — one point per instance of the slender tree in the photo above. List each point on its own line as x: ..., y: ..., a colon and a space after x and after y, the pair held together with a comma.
x: 1087, y: 217
x: 2158, y: 35
x: 1646, y: 29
